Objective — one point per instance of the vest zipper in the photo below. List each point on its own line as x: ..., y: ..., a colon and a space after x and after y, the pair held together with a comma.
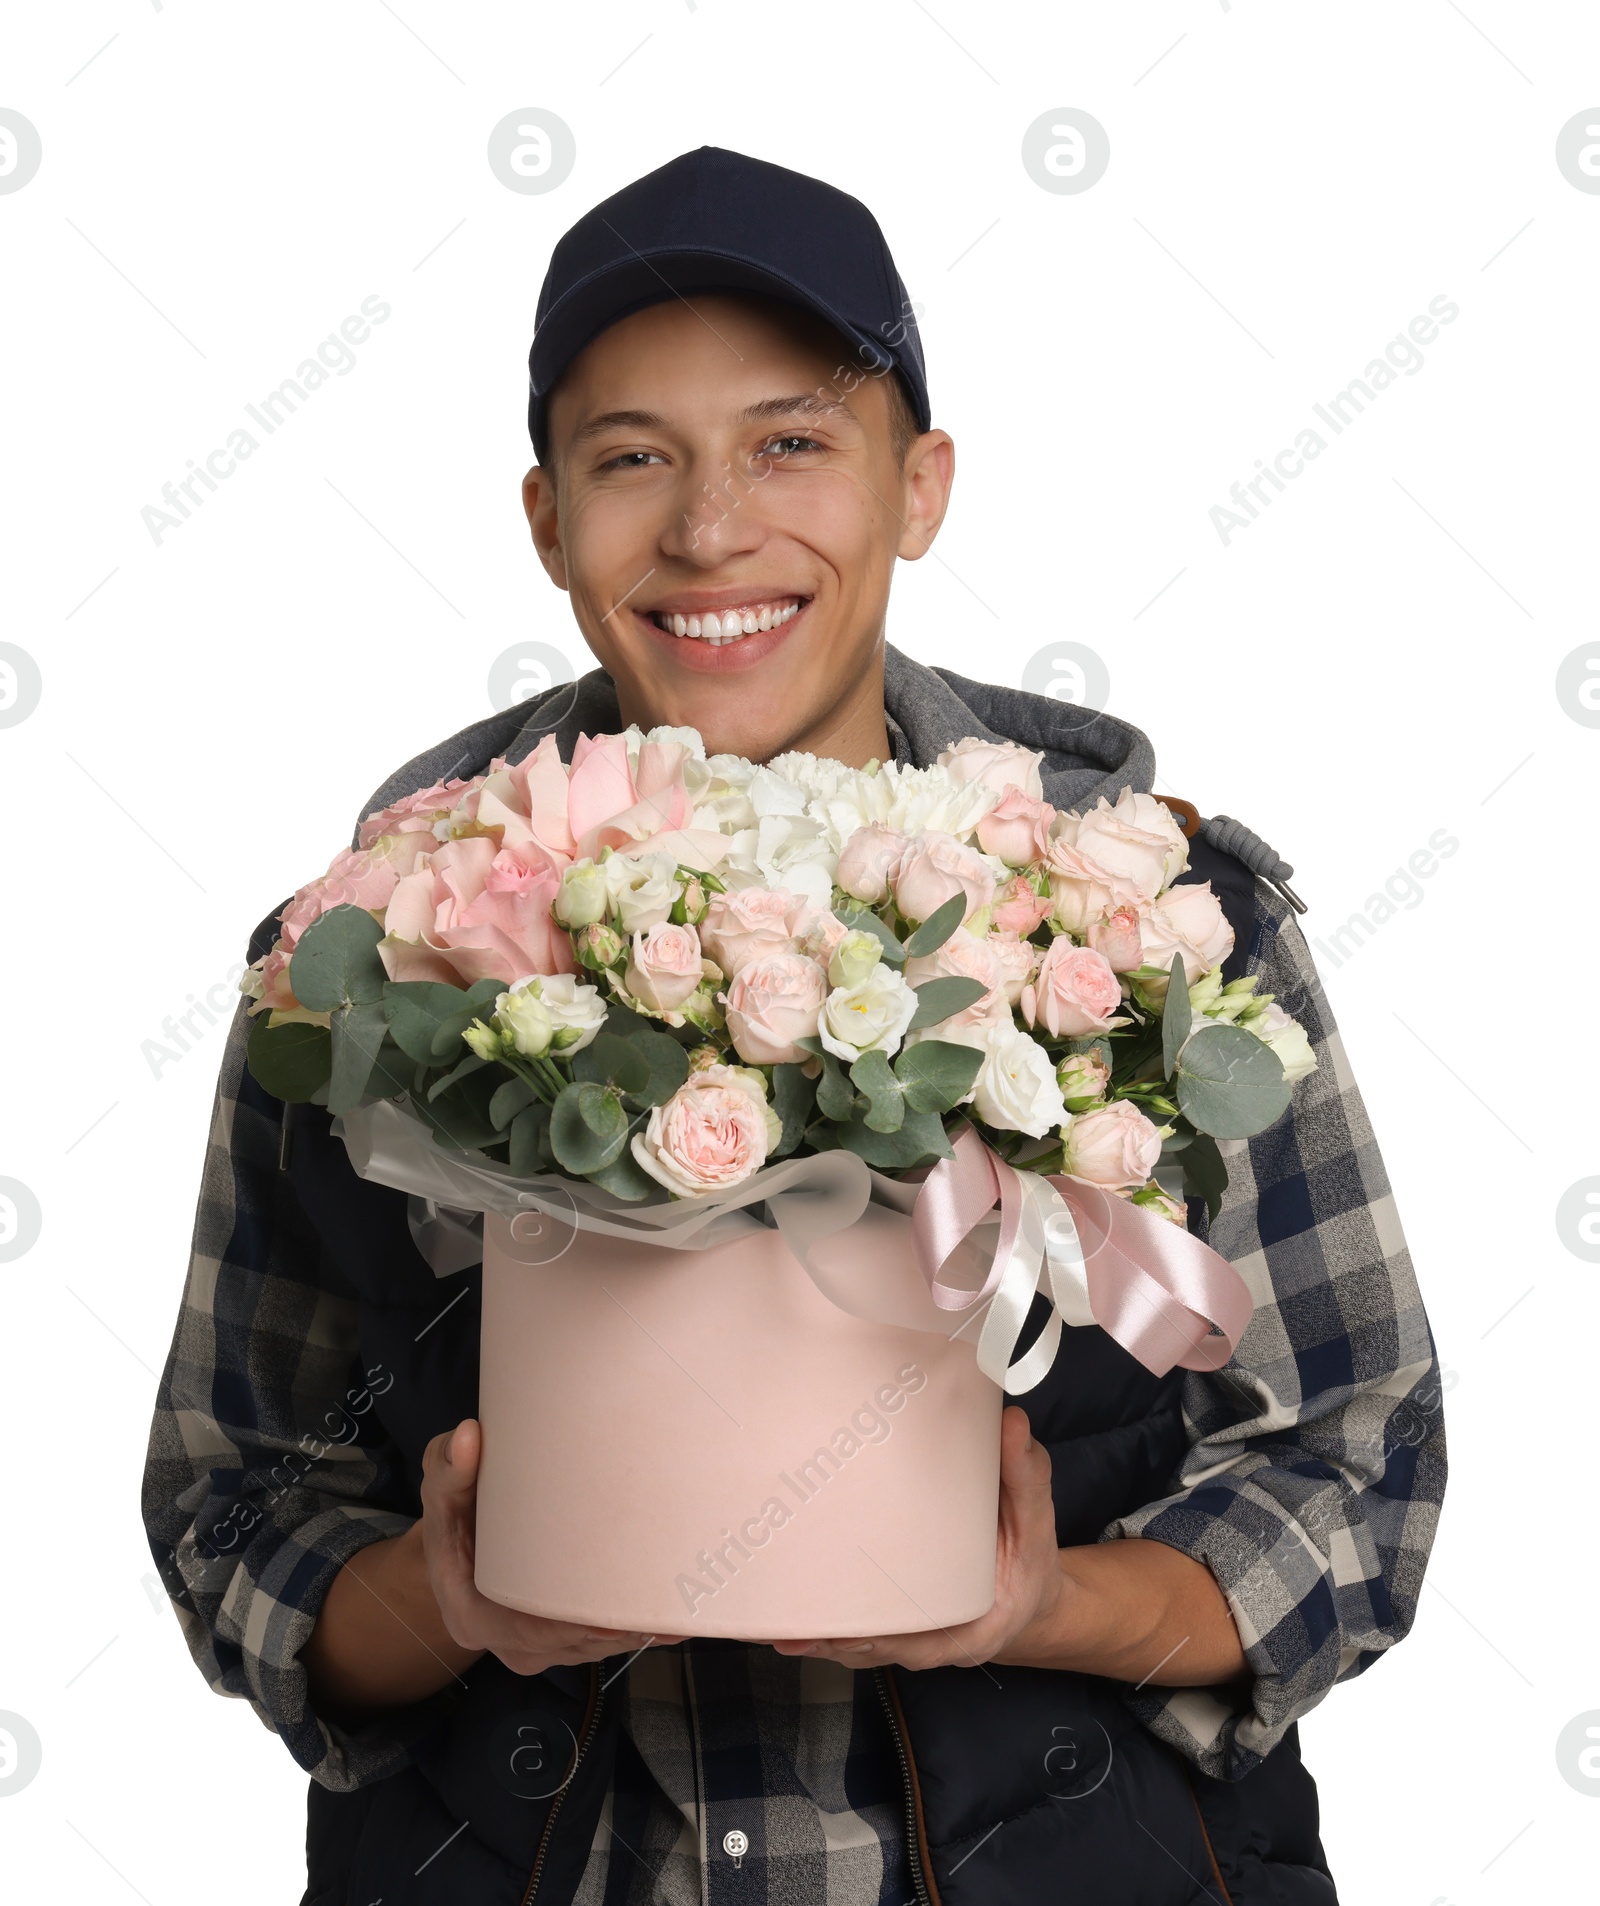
x: 591, y: 1722
x: 908, y: 1781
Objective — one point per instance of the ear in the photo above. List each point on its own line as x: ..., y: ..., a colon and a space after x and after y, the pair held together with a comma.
x: 539, y: 502
x: 930, y: 470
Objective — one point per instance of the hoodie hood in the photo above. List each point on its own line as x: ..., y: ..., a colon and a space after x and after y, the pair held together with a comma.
x: 1086, y: 754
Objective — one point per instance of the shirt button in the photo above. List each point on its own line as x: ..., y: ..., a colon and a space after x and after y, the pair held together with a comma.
x: 735, y: 1844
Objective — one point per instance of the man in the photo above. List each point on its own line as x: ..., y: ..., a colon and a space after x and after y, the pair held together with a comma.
x: 729, y: 408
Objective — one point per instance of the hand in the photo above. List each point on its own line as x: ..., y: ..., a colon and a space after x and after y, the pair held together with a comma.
x: 527, y: 1644
x: 1028, y: 1580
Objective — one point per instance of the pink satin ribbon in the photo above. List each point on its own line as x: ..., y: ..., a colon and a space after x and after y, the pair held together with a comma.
x: 1166, y: 1297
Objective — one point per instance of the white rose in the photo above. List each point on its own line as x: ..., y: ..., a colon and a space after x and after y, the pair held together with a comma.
x: 1287, y: 1037
x: 1016, y: 1089
x: 577, y: 1012
x: 583, y: 896
x: 526, y: 1017
x: 874, y: 1013
x: 642, y: 889
x: 1187, y: 920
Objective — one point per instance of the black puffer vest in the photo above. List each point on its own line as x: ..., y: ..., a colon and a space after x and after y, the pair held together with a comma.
x: 1022, y: 1786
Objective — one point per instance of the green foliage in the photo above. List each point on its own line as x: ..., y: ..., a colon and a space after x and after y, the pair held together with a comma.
x: 835, y: 1099
x: 936, y: 1074
x: 937, y: 928
x: 1230, y: 1083
x: 335, y: 961
x: 356, y: 1033
x: 292, y: 1062
x: 874, y: 1078
x: 794, y: 1097
x: 919, y: 1139
x: 1177, y: 1017
x: 427, y: 1018
x: 530, y: 1140
x: 864, y: 922
x: 1204, y: 1173
x: 588, y: 1128
x: 937, y: 999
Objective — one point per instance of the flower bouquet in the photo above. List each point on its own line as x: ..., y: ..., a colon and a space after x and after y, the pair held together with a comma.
x: 652, y: 994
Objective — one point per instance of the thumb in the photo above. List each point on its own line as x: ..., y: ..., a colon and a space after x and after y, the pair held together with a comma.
x: 451, y: 1460
x: 1024, y: 1463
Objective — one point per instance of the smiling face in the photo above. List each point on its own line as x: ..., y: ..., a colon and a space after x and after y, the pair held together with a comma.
x: 724, y: 500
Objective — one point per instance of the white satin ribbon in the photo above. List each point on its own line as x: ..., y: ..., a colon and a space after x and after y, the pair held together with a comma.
x: 1047, y: 1246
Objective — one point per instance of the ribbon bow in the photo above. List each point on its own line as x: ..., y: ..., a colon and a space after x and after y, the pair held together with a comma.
x: 1165, y: 1296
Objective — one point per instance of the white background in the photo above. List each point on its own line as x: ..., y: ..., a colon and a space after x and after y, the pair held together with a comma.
x: 1372, y: 660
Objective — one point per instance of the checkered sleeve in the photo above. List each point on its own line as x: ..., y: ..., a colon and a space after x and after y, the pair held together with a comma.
x: 1316, y: 1461
x: 267, y: 1468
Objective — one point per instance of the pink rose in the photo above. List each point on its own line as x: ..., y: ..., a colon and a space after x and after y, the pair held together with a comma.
x: 867, y: 862
x: 416, y: 813
x: 1018, y: 909
x: 664, y: 968
x: 1081, y: 890
x: 1017, y: 960
x: 709, y: 1136
x: 276, y: 993
x: 750, y: 922
x: 1115, y: 1146
x: 819, y: 933
x: 933, y: 869
x: 1187, y: 920
x: 997, y: 764
x: 1016, y: 830
x: 773, y: 1002
x: 476, y: 912
x: 1117, y: 937
x: 964, y: 957
x: 1075, y: 991
x: 359, y: 877
x: 529, y: 801
x: 1137, y: 842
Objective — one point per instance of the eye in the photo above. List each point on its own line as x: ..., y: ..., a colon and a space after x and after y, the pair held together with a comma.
x: 632, y: 460
x: 788, y: 446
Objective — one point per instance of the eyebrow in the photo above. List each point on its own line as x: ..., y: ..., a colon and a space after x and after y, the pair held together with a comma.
x: 768, y: 410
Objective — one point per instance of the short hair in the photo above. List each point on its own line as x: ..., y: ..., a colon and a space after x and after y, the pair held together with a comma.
x: 903, y: 428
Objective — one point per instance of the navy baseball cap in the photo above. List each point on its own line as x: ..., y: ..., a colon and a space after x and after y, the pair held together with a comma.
x: 719, y: 221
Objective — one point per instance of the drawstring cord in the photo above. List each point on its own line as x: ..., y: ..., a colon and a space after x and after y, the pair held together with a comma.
x: 1233, y: 837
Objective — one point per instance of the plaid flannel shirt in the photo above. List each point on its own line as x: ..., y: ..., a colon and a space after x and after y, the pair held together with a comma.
x: 1311, y: 1489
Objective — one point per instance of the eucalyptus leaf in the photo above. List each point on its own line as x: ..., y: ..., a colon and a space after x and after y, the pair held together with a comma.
x: 667, y: 1063
x: 886, y: 1106
x: 356, y: 1032
x: 421, y: 1011
x: 1230, y: 1083
x: 937, y: 928
x: 335, y: 961
x: 920, y: 1138
x: 864, y: 922
x: 514, y: 1096
x: 625, y: 1178
x: 394, y: 1073
x: 1204, y: 1173
x: 835, y: 1099
x: 470, y: 1064
x: 937, y: 1074
x: 588, y: 1128
x: 292, y: 1062
x: 610, y: 1060
x: 530, y: 1140
x: 794, y: 1098
x: 1177, y: 1016
x: 937, y: 999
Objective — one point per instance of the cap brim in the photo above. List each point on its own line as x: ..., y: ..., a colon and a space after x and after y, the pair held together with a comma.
x: 618, y: 290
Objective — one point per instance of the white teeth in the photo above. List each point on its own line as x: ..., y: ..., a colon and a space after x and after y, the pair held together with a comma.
x: 731, y: 626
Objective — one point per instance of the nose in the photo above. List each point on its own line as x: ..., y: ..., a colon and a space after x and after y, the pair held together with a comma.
x: 717, y: 515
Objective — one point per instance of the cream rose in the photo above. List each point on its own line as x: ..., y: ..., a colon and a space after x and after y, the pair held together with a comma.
x: 664, y: 967
x: 933, y: 869
x: 1187, y: 920
x: 1015, y: 1090
x: 871, y: 1015
x: 1018, y: 959
x: 749, y: 923
x: 642, y: 889
x: 997, y: 765
x: 964, y: 957
x: 867, y: 862
x: 771, y: 1003
x: 1137, y: 842
x: 583, y: 897
x: 1117, y: 937
x: 577, y: 1012
x: 1115, y: 1146
x: 1074, y: 992
x: 713, y: 1132
x: 1287, y: 1038
x: 1016, y: 830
